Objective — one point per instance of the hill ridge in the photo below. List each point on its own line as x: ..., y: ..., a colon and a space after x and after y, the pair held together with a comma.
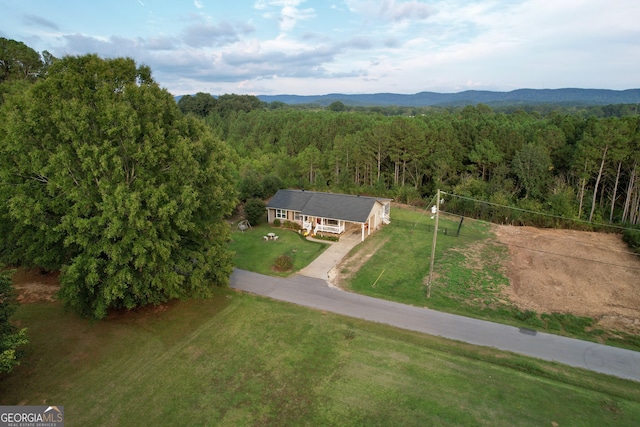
x: 469, y: 97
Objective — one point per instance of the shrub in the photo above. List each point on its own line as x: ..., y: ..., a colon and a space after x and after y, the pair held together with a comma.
x: 254, y: 210
x: 552, y: 322
x: 574, y: 324
x: 283, y: 263
x: 249, y: 188
x: 632, y: 238
x: 327, y: 238
x: 276, y: 222
x: 270, y: 185
x: 292, y: 225
x: 529, y: 317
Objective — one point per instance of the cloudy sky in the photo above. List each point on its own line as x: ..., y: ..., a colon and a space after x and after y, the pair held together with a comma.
x: 316, y: 47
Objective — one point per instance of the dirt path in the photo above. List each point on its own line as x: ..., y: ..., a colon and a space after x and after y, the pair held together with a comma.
x: 566, y: 271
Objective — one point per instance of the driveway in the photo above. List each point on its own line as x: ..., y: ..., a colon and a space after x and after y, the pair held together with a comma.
x: 310, y: 288
x: 322, y: 265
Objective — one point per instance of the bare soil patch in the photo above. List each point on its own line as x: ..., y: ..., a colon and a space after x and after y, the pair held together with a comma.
x: 34, y: 285
x: 577, y: 272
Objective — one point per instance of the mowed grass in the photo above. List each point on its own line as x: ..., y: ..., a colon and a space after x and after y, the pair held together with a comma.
x: 399, y: 269
x: 255, y: 254
x: 243, y: 360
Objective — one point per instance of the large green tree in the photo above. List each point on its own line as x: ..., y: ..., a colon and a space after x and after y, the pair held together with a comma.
x: 201, y: 104
x: 18, y: 61
x: 106, y: 179
x: 532, y: 165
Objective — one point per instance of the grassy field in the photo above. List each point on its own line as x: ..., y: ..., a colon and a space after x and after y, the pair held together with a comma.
x: 242, y: 360
x: 255, y: 254
x: 405, y: 259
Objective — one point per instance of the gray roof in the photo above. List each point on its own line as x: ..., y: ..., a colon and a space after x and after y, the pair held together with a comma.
x: 344, y: 207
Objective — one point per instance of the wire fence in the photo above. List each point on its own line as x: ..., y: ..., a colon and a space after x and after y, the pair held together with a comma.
x: 448, y: 228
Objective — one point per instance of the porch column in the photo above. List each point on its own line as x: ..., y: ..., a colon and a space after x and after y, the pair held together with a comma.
x: 362, y: 226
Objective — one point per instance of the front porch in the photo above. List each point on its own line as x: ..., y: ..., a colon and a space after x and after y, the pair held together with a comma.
x: 323, y: 225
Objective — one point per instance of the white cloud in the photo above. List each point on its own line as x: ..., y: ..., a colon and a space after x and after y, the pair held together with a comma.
x: 354, y: 46
x: 391, y: 10
x: 287, y: 12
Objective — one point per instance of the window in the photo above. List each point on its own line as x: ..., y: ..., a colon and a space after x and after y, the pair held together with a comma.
x: 331, y: 222
x: 281, y: 214
x: 296, y: 216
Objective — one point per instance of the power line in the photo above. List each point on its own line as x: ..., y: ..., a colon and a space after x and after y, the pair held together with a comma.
x: 424, y: 210
x: 541, y: 213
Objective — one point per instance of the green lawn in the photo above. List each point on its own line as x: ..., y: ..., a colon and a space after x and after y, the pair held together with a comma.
x: 243, y: 360
x: 255, y: 254
x: 405, y: 257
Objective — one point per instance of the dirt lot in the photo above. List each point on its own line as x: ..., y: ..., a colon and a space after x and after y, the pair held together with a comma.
x: 577, y: 272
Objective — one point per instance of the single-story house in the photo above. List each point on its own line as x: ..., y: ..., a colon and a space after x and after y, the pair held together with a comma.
x: 329, y: 212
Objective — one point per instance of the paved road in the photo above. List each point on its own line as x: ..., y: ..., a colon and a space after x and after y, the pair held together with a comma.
x: 314, y: 293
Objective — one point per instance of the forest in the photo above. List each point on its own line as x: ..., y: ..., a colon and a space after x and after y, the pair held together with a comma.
x: 570, y: 164
x: 574, y: 162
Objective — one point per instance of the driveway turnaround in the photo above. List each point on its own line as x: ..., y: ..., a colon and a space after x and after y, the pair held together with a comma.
x: 315, y: 293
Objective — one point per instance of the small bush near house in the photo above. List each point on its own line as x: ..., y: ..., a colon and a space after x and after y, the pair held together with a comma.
x: 283, y: 263
x: 292, y: 225
x: 276, y: 222
x: 329, y: 238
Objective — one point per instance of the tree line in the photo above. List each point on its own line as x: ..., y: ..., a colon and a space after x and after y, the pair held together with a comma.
x: 564, y: 164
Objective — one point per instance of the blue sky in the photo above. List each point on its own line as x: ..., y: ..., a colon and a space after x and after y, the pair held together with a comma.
x: 347, y: 46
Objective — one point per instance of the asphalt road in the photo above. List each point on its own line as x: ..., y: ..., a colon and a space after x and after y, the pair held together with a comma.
x: 315, y: 293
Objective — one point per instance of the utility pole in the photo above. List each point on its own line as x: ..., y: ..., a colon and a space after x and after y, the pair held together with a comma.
x: 433, y: 245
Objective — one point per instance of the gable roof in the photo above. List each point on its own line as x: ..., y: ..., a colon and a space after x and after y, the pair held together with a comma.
x: 344, y: 207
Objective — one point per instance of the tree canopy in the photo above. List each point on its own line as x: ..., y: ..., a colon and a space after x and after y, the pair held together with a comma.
x: 573, y: 164
x: 18, y: 61
x: 104, y: 178
x: 201, y: 104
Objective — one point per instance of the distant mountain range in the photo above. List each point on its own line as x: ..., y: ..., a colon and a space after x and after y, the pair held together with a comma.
x: 470, y: 97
